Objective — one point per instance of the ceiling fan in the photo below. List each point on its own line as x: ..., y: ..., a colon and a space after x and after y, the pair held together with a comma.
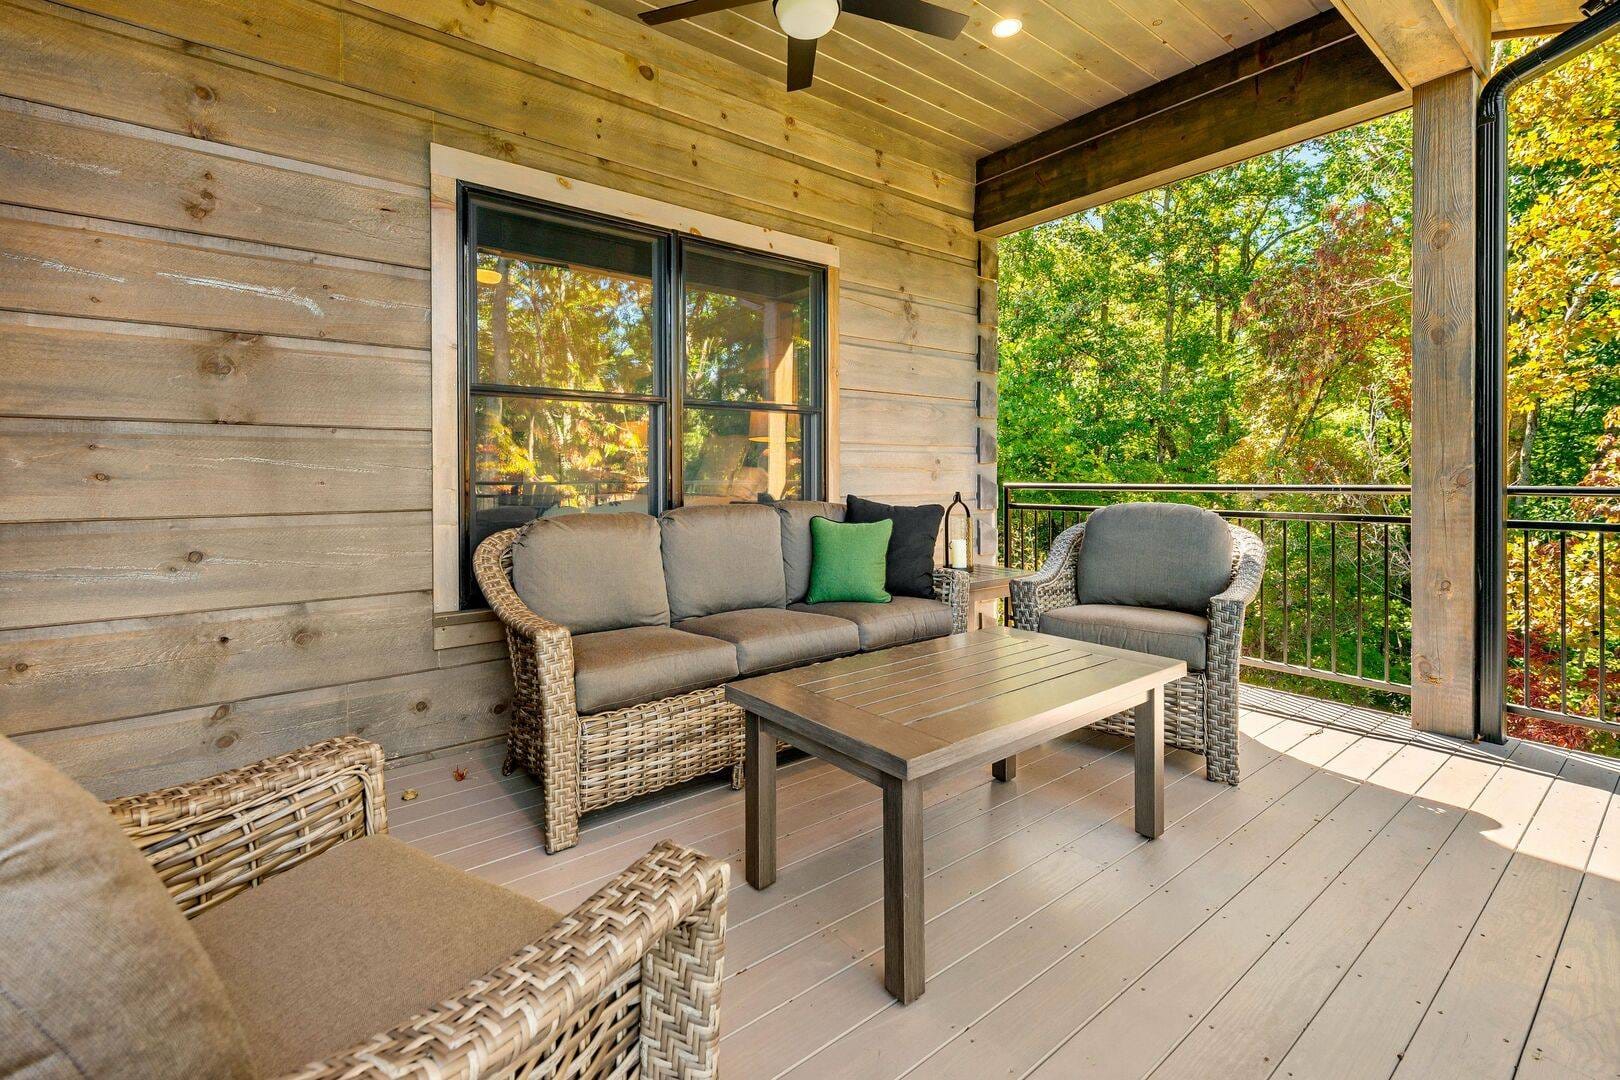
x: 806, y: 21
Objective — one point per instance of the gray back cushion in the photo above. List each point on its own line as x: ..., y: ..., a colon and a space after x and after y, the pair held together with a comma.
x: 796, y: 515
x: 100, y: 974
x: 592, y: 572
x: 1157, y: 555
x: 722, y: 558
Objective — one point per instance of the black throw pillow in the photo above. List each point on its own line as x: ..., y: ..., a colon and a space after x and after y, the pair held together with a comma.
x: 911, y: 546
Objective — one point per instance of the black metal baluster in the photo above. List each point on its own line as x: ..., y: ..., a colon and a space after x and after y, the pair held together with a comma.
x: 1285, y: 591
x: 1310, y: 632
x: 1361, y: 613
x: 1603, y: 631
x: 1526, y: 607
x: 1386, y: 600
x: 1563, y: 621
x: 1262, y: 651
x: 1333, y: 596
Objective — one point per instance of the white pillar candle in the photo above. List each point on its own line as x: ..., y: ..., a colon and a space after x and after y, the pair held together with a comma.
x: 959, y: 553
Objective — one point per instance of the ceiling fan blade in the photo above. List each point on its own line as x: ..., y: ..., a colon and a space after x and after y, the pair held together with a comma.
x: 801, y: 63
x: 688, y: 9
x: 911, y: 14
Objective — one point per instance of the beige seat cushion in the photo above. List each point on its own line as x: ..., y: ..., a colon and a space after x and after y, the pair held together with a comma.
x: 616, y: 668
x: 769, y: 639
x: 1174, y: 634
x: 901, y: 621
x: 357, y: 941
x: 100, y: 974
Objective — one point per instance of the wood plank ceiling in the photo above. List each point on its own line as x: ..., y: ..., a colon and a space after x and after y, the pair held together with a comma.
x: 981, y: 93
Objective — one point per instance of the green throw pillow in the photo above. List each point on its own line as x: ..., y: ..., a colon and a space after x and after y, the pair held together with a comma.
x: 848, y: 562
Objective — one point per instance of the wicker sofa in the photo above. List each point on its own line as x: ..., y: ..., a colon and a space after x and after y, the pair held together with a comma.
x: 262, y: 923
x: 624, y: 629
x: 1161, y: 562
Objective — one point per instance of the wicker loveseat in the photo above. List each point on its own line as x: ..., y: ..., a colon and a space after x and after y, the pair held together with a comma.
x: 633, y: 625
x: 261, y: 923
x: 1168, y: 579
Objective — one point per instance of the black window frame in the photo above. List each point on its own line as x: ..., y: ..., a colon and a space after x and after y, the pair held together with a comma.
x: 668, y: 402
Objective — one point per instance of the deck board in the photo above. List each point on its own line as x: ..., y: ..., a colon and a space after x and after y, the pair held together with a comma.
x: 1348, y: 904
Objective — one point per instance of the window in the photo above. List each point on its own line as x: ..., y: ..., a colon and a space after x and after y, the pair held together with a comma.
x: 611, y: 367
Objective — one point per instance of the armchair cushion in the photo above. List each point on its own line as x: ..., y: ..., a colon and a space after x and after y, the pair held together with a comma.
x: 592, y: 572
x: 100, y: 974
x: 356, y: 942
x: 722, y: 558
x: 616, y: 668
x: 1154, y: 555
x: 769, y: 639
x: 901, y: 621
x: 795, y: 516
x: 1174, y: 634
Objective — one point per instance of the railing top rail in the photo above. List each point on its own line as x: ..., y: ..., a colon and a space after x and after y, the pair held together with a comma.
x: 1554, y: 492
x: 1235, y: 489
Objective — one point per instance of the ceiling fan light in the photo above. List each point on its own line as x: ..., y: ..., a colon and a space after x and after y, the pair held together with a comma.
x: 1007, y: 27
x: 806, y: 20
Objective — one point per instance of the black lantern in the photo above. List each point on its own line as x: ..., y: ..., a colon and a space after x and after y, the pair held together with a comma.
x: 958, y: 535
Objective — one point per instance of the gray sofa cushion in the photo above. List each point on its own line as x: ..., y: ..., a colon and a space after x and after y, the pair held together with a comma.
x: 592, y: 572
x: 795, y: 516
x: 1157, y: 555
x: 901, y: 621
x: 616, y: 668
x: 769, y: 639
x: 722, y: 558
x: 1174, y: 634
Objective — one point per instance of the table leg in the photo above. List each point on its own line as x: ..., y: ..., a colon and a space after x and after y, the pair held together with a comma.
x: 1005, y: 769
x: 902, y: 890
x: 759, y: 796
x: 1150, y: 765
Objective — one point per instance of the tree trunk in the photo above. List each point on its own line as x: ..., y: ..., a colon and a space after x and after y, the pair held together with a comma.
x: 499, y: 333
x: 1527, y: 443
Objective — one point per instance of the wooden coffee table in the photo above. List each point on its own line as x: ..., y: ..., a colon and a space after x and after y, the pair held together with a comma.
x: 901, y: 716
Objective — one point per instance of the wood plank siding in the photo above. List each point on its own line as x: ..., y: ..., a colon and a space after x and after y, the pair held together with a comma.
x: 215, y: 524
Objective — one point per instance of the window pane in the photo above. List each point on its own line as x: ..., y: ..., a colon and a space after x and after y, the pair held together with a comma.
x: 747, y: 329
x: 535, y: 458
x: 562, y: 304
x: 740, y: 454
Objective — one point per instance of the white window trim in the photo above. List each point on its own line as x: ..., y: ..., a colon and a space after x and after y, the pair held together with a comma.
x: 449, y: 166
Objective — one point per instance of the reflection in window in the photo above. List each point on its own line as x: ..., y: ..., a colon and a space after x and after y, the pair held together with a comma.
x: 545, y: 325
x: 748, y: 330
x: 612, y: 367
x: 533, y: 457
x: 733, y: 454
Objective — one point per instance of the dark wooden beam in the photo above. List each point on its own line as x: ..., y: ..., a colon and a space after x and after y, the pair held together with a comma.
x: 1303, y: 81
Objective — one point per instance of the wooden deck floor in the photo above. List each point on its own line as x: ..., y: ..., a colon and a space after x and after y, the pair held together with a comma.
x: 1366, y: 904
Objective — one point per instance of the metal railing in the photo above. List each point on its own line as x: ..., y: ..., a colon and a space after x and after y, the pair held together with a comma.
x: 1335, y: 602
x: 1561, y: 576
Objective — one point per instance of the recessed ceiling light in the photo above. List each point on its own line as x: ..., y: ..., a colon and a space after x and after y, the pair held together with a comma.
x: 1007, y: 27
x: 486, y: 276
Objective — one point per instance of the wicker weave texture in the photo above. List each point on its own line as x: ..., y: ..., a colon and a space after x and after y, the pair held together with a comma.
x: 211, y: 839
x: 1200, y: 710
x: 626, y: 985
x: 591, y: 762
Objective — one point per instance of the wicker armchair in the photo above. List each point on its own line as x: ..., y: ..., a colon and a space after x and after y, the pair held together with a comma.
x: 1200, y: 709
x: 627, y: 984
x: 590, y: 762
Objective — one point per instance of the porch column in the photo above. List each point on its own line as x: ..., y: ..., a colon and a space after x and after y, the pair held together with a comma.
x: 1444, y: 269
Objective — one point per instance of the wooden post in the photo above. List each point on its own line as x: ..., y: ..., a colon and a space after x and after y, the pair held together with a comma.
x: 1444, y: 268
